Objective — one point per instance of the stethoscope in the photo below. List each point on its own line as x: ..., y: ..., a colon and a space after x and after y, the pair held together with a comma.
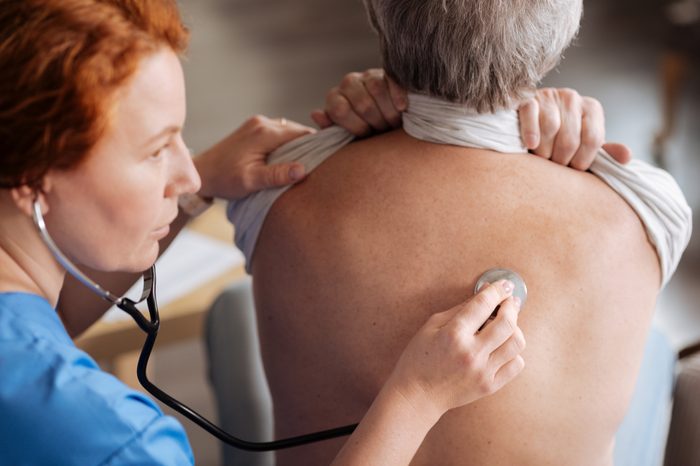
x: 150, y: 327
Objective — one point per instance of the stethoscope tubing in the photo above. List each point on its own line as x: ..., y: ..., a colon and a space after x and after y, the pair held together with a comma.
x: 201, y: 421
x: 151, y: 327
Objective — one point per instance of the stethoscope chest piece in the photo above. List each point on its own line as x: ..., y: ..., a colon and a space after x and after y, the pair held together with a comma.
x: 493, y: 275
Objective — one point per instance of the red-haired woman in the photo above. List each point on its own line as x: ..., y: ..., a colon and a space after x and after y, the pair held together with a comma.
x: 92, y: 103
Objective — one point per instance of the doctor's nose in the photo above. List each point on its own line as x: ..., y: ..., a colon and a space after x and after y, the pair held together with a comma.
x: 184, y: 177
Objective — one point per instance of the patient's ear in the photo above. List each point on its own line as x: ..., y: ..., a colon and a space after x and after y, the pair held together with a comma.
x: 25, y: 195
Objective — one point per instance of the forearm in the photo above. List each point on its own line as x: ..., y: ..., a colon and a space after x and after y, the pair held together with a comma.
x: 79, y: 308
x: 390, y: 433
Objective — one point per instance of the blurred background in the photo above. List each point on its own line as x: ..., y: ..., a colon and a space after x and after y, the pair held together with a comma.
x: 279, y: 57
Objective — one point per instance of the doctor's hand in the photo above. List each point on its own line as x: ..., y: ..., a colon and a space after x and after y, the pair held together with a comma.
x: 450, y: 363
x: 237, y: 166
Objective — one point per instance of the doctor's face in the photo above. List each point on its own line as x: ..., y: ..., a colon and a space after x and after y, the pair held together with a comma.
x: 109, y: 212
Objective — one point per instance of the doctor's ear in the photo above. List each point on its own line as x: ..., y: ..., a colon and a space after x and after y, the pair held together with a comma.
x: 25, y: 195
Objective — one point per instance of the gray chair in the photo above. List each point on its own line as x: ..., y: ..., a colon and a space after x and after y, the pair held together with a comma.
x: 641, y: 438
x: 683, y: 447
x: 236, y: 373
x: 666, y: 385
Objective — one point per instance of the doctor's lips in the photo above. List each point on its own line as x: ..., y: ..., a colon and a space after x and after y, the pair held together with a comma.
x: 165, y: 229
x: 162, y: 232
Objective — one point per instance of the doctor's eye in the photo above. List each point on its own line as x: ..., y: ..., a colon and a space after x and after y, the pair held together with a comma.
x: 157, y: 154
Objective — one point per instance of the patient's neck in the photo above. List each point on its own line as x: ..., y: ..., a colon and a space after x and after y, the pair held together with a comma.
x: 436, y: 120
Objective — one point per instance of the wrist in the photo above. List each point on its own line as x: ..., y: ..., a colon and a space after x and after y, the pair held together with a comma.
x: 415, y: 399
x: 390, y: 432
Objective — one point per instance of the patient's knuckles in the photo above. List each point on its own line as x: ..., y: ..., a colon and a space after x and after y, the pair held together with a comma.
x: 594, y: 140
x: 566, y: 146
x: 365, y: 107
x: 349, y: 81
x: 569, y: 97
x: 592, y: 106
x: 332, y: 94
x: 550, y: 121
x: 567, y: 143
x: 528, y: 107
x: 547, y: 94
x: 376, y: 87
x: 373, y: 73
x: 592, y: 136
x: 582, y: 161
x: 338, y: 107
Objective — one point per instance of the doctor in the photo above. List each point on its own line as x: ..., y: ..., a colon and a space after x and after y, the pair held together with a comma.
x: 92, y: 104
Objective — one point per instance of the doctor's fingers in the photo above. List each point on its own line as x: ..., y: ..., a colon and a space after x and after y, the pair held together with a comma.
x: 262, y: 135
x: 262, y: 177
x: 508, y: 372
x: 504, y: 326
x: 512, y: 347
x: 471, y: 315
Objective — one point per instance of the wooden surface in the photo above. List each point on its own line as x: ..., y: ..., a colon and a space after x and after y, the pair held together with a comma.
x: 181, y: 320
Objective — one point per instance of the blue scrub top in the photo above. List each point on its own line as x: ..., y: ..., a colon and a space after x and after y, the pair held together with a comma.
x: 57, y: 407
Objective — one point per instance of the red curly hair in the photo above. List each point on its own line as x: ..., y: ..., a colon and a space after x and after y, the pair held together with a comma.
x: 61, y: 62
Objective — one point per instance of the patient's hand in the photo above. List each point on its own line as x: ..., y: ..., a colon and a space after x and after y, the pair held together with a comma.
x: 558, y: 124
x: 450, y: 363
x: 567, y: 128
x: 363, y: 103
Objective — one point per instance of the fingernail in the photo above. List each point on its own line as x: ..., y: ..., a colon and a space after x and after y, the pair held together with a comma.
x: 507, y: 286
x: 296, y: 172
x: 517, y: 301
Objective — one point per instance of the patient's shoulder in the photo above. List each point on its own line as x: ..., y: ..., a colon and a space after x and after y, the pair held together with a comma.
x: 393, y: 190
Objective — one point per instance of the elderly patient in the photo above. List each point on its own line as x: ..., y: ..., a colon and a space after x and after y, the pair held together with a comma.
x: 347, y: 262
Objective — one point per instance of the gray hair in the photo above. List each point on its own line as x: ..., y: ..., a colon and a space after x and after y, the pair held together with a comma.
x: 487, y: 54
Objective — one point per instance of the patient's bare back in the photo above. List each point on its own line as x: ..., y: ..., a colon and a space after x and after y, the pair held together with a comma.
x: 351, y: 262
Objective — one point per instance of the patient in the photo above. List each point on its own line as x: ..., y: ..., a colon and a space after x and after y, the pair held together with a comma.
x: 347, y: 262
